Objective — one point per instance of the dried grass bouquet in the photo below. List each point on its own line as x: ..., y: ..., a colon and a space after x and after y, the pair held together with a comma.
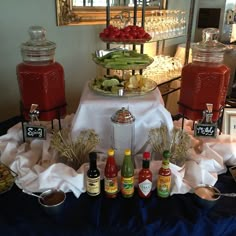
x: 177, y: 141
x: 74, y: 152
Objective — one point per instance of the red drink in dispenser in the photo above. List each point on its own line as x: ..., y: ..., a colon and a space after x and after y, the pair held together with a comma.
x: 40, y: 78
x: 206, y: 79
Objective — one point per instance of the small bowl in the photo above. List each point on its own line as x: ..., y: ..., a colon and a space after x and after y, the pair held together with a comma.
x: 52, y: 201
x: 205, y: 195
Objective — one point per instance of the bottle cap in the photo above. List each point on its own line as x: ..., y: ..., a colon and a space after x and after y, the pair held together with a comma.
x: 146, y: 155
x: 166, y: 154
x: 127, y: 152
x: 110, y: 152
x: 122, y: 116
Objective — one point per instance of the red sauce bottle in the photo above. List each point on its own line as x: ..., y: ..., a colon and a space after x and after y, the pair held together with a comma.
x: 164, y: 177
x: 145, y: 178
x: 110, y: 175
x: 206, y: 79
x: 40, y: 78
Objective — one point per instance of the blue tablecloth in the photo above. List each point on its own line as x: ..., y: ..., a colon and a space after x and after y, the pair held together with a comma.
x: 20, y: 214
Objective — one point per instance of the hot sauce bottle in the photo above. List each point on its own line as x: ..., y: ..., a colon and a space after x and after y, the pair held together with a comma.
x: 206, y: 79
x: 127, y: 175
x: 145, y: 178
x: 110, y: 175
x: 164, y: 177
x: 93, y: 186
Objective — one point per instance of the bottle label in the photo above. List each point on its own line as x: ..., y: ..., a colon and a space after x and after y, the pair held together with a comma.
x: 163, y: 186
x: 111, y: 185
x: 145, y: 187
x: 127, y: 185
x: 93, y: 186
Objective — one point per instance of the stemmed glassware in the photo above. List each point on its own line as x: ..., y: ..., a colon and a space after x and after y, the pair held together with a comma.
x: 163, y: 69
x: 162, y: 24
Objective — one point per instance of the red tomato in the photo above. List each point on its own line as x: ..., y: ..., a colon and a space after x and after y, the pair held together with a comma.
x: 127, y: 29
x: 135, y: 27
x: 106, y: 32
x: 134, y: 34
x: 115, y: 29
x: 117, y: 33
x: 147, y: 36
x: 141, y: 32
x: 112, y: 37
x: 130, y: 37
x: 102, y: 35
x: 110, y: 26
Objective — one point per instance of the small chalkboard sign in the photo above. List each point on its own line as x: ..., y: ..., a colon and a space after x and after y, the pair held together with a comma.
x: 34, y: 131
x: 205, y: 130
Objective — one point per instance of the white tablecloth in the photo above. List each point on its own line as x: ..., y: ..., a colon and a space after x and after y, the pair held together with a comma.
x: 37, y: 168
x: 95, y: 111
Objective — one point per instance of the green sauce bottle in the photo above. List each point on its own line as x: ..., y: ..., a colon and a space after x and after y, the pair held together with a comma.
x: 127, y: 175
x: 164, y: 176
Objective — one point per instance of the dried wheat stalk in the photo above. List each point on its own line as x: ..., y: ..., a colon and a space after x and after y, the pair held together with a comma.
x: 177, y: 141
x: 75, y: 151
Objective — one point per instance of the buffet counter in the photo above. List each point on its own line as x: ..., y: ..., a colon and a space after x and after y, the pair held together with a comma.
x: 37, y: 169
x: 21, y: 214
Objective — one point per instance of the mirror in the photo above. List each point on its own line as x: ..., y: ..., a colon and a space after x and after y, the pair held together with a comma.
x: 93, y: 12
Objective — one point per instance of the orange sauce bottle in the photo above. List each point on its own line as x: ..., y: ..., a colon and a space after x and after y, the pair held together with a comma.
x: 164, y: 177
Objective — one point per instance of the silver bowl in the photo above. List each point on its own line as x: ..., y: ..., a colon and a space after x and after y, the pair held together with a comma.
x: 52, y: 201
x: 205, y: 195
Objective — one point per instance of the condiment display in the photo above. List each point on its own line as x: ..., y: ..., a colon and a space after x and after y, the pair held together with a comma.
x: 164, y: 177
x: 123, y: 125
x: 127, y: 175
x: 206, y: 79
x: 40, y: 78
x: 110, y: 175
x: 93, y: 185
x: 145, y: 177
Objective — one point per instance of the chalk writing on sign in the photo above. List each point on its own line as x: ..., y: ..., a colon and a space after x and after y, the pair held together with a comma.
x: 205, y: 130
x: 34, y: 131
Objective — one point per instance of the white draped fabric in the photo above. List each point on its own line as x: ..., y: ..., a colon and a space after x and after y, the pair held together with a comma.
x: 95, y: 111
x: 36, y: 163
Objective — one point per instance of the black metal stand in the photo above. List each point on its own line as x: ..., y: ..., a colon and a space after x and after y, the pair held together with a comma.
x: 23, y: 120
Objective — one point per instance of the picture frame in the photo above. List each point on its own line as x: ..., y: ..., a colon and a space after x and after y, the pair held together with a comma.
x: 229, y: 121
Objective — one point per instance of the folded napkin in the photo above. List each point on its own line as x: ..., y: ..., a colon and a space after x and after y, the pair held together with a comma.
x: 36, y: 164
x: 38, y: 170
x: 205, y: 166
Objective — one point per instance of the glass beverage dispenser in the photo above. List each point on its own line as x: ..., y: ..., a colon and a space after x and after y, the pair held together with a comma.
x: 206, y: 79
x: 40, y: 78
